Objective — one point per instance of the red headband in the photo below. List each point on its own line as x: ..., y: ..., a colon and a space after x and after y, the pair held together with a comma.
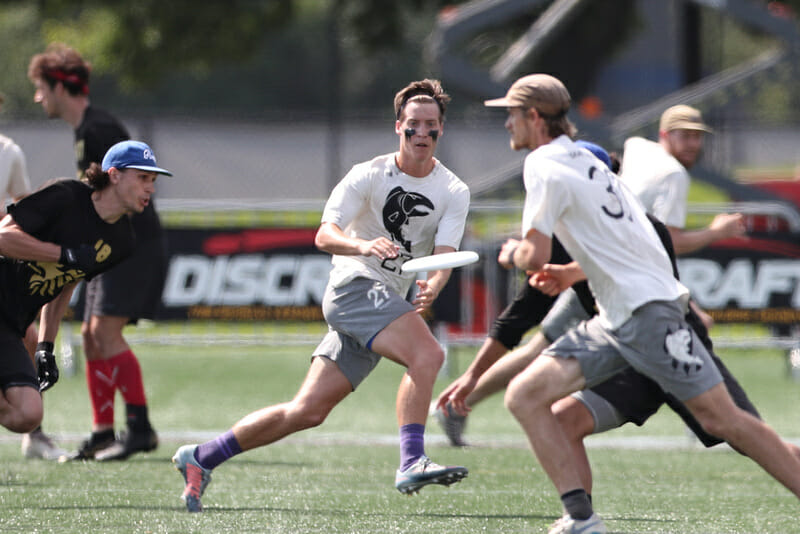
x: 69, y: 77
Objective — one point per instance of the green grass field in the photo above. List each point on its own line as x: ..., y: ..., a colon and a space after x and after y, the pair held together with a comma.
x: 339, y: 477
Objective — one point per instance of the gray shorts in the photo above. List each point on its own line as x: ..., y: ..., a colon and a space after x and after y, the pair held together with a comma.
x: 356, y: 313
x: 566, y: 313
x: 656, y: 341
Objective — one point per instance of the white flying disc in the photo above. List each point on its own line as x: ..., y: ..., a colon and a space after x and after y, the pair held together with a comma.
x: 448, y: 260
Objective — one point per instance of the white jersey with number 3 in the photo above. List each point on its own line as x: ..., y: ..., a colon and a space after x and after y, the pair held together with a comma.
x: 377, y: 199
x: 601, y: 224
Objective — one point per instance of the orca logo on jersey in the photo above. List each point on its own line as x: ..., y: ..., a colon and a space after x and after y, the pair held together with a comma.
x: 400, y: 206
x: 679, y: 345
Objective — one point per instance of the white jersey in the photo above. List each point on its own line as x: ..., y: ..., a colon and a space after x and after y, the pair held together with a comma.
x: 602, y: 225
x: 659, y: 180
x: 377, y: 199
x: 14, y: 180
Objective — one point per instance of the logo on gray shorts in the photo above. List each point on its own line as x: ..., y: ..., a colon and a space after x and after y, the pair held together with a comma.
x: 679, y: 344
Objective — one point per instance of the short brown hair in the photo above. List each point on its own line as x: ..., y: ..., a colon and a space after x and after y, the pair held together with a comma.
x: 60, y: 63
x: 424, y: 91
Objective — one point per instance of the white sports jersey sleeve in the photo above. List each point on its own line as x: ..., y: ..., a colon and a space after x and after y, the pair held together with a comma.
x: 14, y: 181
x: 572, y: 194
x: 657, y: 179
x: 377, y: 199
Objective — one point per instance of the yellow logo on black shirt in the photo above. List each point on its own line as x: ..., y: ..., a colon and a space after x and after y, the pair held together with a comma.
x: 50, y: 278
x: 103, y: 251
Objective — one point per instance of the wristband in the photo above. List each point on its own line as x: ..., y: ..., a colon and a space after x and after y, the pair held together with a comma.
x: 511, y: 254
x: 47, y: 346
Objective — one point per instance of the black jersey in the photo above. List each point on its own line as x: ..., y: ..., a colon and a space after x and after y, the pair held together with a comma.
x: 98, y: 131
x: 64, y: 214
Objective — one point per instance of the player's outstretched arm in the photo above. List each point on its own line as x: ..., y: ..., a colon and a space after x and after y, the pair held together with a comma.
x: 52, y: 313
x: 723, y: 226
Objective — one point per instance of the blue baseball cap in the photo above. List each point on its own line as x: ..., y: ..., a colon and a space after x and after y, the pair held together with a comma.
x: 132, y: 155
x: 598, y: 151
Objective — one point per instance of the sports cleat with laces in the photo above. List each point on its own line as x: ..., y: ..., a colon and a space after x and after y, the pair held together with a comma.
x: 128, y: 443
x: 452, y: 424
x: 37, y: 444
x: 195, y: 477
x: 97, y: 441
x: 568, y: 525
x: 424, y: 472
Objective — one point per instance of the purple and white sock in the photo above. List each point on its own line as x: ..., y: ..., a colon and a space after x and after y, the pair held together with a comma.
x: 412, y: 444
x: 212, y: 453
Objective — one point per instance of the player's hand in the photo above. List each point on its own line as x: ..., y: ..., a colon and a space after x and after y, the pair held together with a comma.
x: 551, y: 279
x: 82, y: 257
x: 381, y: 247
x: 545, y: 283
x: 425, y: 296
x: 506, y: 256
x: 726, y: 225
x: 46, y: 368
x: 456, y: 394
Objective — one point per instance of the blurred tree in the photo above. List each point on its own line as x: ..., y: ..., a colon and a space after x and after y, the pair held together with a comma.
x: 257, y: 56
x: 18, y: 42
x: 141, y: 41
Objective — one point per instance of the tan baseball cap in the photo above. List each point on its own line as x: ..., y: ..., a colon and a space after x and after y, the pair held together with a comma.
x: 682, y: 117
x: 541, y: 91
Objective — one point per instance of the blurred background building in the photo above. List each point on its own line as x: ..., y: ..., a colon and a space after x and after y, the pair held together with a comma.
x: 281, y: 110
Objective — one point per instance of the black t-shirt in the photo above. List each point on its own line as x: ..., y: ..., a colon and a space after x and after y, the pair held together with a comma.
x: 98, y: 131
x: 62, y: 213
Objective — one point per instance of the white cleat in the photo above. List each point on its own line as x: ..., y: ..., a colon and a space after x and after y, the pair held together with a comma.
x: 37, y: 444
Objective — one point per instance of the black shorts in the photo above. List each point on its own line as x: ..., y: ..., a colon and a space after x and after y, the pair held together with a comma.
x: 131, y: 289
x: 527, y: 310
x: 16, y: 366
x: 637, y: 398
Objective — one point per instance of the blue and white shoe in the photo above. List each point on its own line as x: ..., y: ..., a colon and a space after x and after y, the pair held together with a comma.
x: 425, y: 472
x: 568, y: 525
x: 195, y: 477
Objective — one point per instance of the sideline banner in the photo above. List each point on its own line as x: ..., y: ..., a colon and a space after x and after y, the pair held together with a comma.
x: 752, y: 280
x: 244, y: 274
x: 278, y: 274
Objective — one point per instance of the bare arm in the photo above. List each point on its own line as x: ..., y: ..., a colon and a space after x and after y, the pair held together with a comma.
x: 331, y: 239
x: 724, y: 226
x: 15, y: 243
x: 429, y: 289
x: 705, y: 318
x: 52, y: 312
x: 458, y: 391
